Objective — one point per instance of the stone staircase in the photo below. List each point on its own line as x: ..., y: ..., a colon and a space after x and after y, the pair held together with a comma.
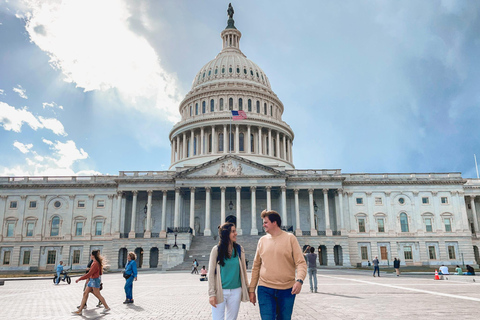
x: 201, y: 247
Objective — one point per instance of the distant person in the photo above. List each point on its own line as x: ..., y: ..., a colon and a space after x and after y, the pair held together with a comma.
x: 60, y: 272
x: 194, y: 266
x: 130, y: 275
x: 470, y: 270
x: 396, y: 266
x: 312, y: 269
x: 443, y: 270
x: 458, y: 270
x: 376, y: 267
x: 203, y: 274
x: 93, y: 283
x: 227, y: 275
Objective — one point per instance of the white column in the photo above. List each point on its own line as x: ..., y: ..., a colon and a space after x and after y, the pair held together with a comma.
x: 222, y: 205
x: 474, y: 213
x: 239, y: 209
x: 328, y: 230
x: 340, y: 202
x: 436, y: 214
x: 298, y: 230
x: 249, y: 145
x: 176, y: 219
x: 177, y: 156
x: 163, y: 231
x: 278, y: 144
x: 192, y: 209
x: 284, y: 205
x: 459, y: 196
x: 148, y: 223
x: 416, y: 216
x: 202, y: 142
x: 214, y: 141
x: 270, y: 146
x: 291, y: 150
x: 172, y: 160
x: 371, y: 225
x: 134, y: 215
x: 313, y: 231
x: 253, y: 197
x: 269, y: 197
x: 184, y: 153
x: 207, y: 231
x: 192, y: 136
x: 284, y: 147
x: 119, y: 213
x: 225, y: 139
x: 260, y: 140
x: 237, y: 139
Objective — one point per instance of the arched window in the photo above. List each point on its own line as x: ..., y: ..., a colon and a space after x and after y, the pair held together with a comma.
x: 258, y: 106
x: 55, y: 230
x: 265, y: 108
x: 240, y: 104
x: 221, y: 104
x: 220, y: 142
x: 196, y: 108
x: 204, y: 107
x: 216, y: 70
x: 240, y: 142
x: 212, y: 105
x: 271, y: 110
x: 249, y: 105
x: 404, y: 222
x: 188, y: 148
x: 210, y: 143
x: 230, y: 104
x: 252, y: 139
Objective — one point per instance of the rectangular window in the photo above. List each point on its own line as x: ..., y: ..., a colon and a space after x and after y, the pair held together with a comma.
x: 383, y: 253
x: 378, y: 201
x: 407, y: 252
x: 81, y: 204
x: 448, y: 224
x: 428, y: 225
x: 98, y: 228
x: 381, y: 225
x: 79, y: 228
x: 32, y: 204
x: 361, y: 225
x: 76, y: 257
x: 425, y: 200
x: 6, y: 257
x: 30, y: 227
x: 359, y: 200
x: 100, y: 203
x: 26, y: 257
x: 51, y: 257
x: 13, y: 204
x: 451, y: 252
x: 444, y: 200
x: 11, y: 229
x: 432, y: 253
x: 364, y: 251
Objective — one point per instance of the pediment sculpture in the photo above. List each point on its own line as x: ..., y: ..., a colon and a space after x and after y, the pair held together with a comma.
x: 230, y: 169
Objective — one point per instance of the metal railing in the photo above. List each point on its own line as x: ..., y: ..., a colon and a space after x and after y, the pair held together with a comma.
x: 179, y: 230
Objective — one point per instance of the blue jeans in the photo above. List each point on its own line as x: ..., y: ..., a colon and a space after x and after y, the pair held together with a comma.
x: 312, y: 277
x: 129, y: 287
x: 58, y: 277
x: 275, y: 304
x: 376, y: 269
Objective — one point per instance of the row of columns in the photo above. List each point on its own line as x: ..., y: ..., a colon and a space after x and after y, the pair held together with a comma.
x: 179, y: 143
x: 474, y: 213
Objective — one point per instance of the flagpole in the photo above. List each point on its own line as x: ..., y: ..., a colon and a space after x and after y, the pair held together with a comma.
x: 476, y: 165
x: 230, y: 135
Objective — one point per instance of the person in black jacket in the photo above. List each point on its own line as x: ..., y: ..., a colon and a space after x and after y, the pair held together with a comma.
x: 396, y: 265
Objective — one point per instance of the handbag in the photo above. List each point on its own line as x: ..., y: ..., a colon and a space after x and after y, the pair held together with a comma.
x: 126, y: 276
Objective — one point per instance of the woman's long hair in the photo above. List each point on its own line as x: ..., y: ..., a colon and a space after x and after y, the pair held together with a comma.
x: 224, y: 234
x: 98, y: 258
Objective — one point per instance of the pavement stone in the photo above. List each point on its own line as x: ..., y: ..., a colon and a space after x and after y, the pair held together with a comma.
x: 342, y: 294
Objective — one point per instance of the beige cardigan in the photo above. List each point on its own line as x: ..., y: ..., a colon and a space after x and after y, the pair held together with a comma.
x: 215, y: 279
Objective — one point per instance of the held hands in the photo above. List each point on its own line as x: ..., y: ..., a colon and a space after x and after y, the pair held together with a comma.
x: 213, y: 301
x: 253, y: 297
x: 297, y: 287
x: 135, y: 279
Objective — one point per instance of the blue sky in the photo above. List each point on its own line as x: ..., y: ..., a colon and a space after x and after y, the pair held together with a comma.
x: 93, y: 87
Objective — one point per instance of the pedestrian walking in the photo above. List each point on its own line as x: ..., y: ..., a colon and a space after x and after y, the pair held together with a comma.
x: 396, y: 266
x: 312, y: 268
x: 130, y: 274
x: 227, y: 275
x: 194, y: 266
x: 277, y: 259
x: 93, y: 276
x: 376, y: 267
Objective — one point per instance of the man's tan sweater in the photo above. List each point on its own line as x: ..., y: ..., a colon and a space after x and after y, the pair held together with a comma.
x: 275, y: 262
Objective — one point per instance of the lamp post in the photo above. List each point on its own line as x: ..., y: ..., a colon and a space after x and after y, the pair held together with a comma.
x: 230, y: 205
x: 315, y: 207
x: 175, y: 244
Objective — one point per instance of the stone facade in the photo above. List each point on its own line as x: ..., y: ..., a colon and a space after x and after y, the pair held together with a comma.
x: 221, y: 167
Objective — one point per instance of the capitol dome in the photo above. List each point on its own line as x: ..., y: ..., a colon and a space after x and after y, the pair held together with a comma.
x: 228, y: 84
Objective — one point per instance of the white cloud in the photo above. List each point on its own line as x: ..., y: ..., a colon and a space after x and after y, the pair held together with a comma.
x: 21, y: 92
x: 91, y: 43
x: 24, y: 148
x: 51, y: 105
x: 12, y: 119
x: 2, y: 92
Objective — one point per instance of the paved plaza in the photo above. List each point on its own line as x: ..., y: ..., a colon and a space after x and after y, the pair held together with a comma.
x: 343, y: 294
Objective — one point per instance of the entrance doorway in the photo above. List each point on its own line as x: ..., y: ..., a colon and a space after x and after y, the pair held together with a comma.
x: 122, y: 258
x: 153, y: 257
x: 338, y: 255
x: 139, y: 254
x: 322, y: 255
x: 477, y: 255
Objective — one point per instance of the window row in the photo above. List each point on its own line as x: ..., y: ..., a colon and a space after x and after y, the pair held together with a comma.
x: 57, y: 204
x: 404, y: 225
x: 247, y: 73
x: 55, y: 225
x: 25, y: 257
x: 401, y: 200
x: 408, y: 253
x: 196, y: 109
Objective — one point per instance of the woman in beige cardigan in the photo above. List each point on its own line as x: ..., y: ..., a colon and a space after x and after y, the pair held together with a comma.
x: 227, y: 275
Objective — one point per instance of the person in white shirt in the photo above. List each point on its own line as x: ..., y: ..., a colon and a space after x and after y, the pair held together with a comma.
x: 443, y: 270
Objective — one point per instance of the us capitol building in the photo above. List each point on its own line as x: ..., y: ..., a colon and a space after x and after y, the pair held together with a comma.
x: 221, y: 167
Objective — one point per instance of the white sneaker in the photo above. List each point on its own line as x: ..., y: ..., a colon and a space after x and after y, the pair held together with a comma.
x: 77, y: 312
x: 105, y: 310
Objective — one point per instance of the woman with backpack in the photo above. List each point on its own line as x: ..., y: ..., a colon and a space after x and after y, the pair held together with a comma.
x: 130, y: 274
x: 227, y: 275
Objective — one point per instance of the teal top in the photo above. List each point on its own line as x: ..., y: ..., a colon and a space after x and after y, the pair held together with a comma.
x: 230, y: 273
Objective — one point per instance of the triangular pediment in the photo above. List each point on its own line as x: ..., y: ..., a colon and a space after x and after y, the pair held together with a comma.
x: 230, y: 166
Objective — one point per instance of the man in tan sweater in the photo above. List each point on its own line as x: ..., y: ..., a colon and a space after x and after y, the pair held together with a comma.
x: 278, y: 256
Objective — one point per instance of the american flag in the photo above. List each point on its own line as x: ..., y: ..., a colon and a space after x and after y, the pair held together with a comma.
x: 238, y: 115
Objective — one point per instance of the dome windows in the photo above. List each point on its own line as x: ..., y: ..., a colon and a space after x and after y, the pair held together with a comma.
x: 240, y: 104
x: 230, y: 70
x: 221, y: 104
x: 251, y: 73
x: 238, y: 70
x: 203, y: 75
x: 223, y: 70
x: 209, y: 72
x: 265, y: 108
x: 216, y: 70
x: 212, y: 105
x: 249, y: 105
x: 204, y: 107
x: 258, y: 106
x: 196, y: 108
x: 230, y: 104
x: 257, y: 75
x: 245, y: 71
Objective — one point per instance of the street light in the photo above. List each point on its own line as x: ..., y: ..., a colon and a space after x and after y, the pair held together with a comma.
x: 230, y: 205
x: 175, y: 244
x: 145, y: 208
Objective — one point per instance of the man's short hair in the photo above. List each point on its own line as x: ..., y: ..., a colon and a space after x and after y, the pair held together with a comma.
x: 312, y: 249
x: 273, y: 216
